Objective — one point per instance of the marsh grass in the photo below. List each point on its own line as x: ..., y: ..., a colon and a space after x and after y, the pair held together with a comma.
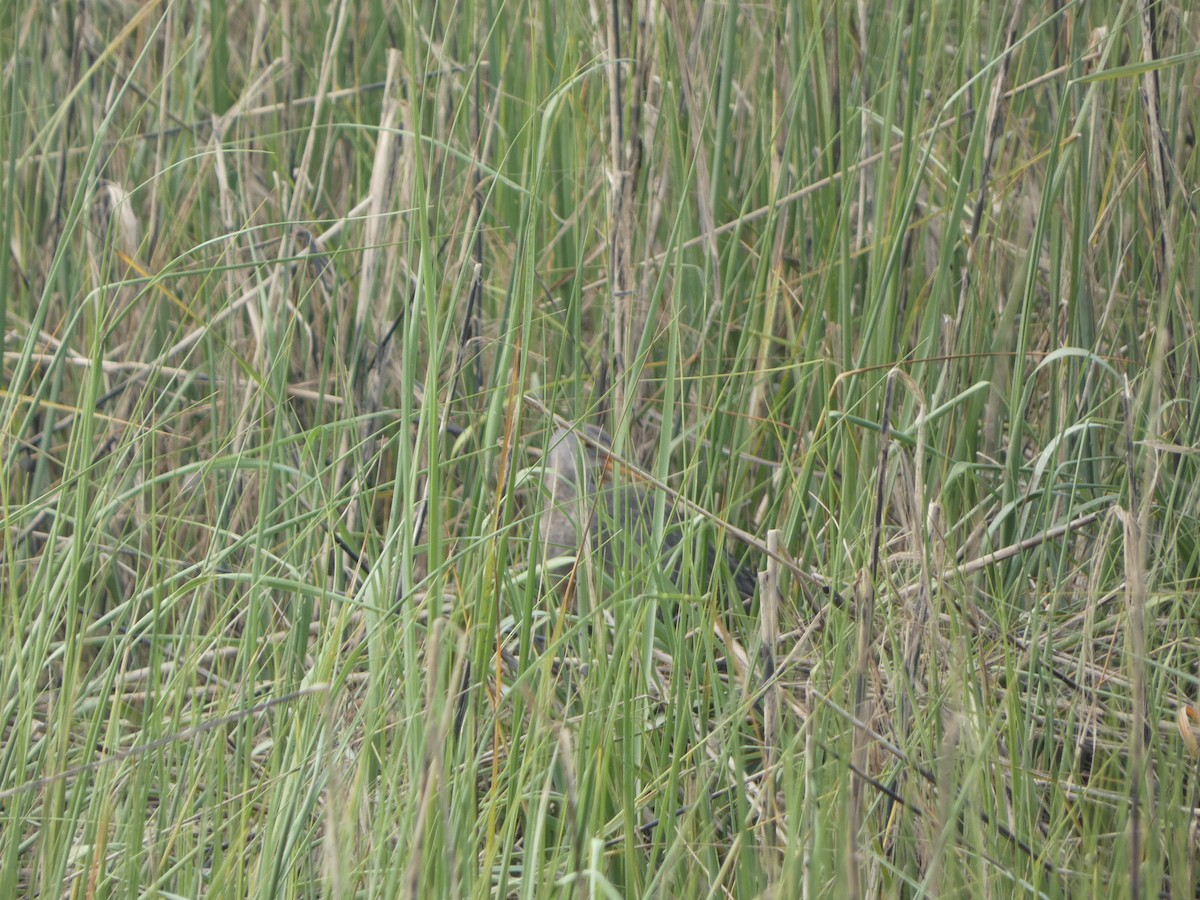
x: 288, y: 294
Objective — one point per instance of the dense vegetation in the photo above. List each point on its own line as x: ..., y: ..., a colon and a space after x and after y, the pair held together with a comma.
x: 894, y: 301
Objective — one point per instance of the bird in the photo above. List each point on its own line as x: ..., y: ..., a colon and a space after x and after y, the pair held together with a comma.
x: 580, y: 504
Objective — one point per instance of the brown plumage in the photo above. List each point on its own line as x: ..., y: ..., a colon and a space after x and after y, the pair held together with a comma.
x: 616, y: 518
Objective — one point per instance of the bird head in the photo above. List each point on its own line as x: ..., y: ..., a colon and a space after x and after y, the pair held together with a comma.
x: 573, y: 468
x: 573, y: 465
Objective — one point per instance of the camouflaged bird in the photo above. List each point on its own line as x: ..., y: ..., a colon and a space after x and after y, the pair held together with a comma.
x: 618, y: 519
